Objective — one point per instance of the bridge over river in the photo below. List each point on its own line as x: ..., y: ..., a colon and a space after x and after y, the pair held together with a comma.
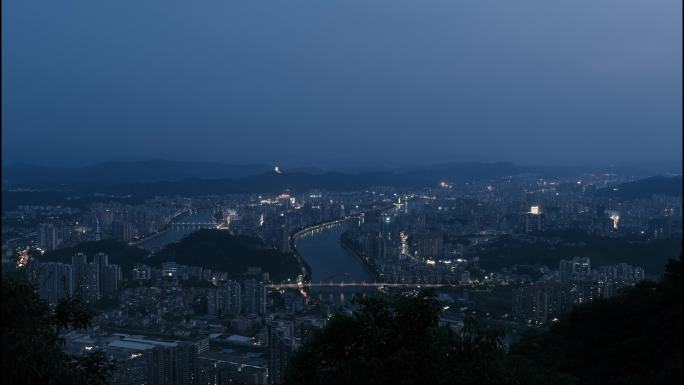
x: 352, y: 285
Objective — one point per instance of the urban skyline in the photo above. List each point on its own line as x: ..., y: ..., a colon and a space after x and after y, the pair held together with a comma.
x: 370, y: 192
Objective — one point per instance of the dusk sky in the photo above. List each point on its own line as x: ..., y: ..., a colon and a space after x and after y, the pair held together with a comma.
x: 377, y: 81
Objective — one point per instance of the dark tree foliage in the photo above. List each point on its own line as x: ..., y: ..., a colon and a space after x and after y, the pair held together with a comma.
x: 635, y: 338
x: 31, y: 347
x: 397, y: 340
x: 652, y: 254
x: 219, y: 250
x: 119, y: 253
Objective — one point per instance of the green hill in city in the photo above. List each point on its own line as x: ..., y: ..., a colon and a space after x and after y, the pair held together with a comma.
x: 221, y: 251
x: 120, y: 253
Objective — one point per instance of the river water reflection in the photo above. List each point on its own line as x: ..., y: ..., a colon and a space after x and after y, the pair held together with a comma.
x: 330, y: 261
x: 180, y: 228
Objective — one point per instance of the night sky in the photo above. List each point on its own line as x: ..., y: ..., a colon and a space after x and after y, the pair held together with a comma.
x: 376, y: 81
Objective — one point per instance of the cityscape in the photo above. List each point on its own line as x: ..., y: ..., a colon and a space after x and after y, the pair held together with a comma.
x: 371, y: 192
x: 240, y: 321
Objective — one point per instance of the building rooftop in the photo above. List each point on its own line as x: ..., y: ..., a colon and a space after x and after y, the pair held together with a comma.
x: 131, y: 345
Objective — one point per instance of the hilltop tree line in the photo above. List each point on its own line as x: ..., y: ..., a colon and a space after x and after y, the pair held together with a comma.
x: 634, y: 338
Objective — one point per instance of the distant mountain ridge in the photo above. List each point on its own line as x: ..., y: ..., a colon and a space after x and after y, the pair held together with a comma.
x: 645, y: 188
x: 161, y: 177
x: 272, y: 182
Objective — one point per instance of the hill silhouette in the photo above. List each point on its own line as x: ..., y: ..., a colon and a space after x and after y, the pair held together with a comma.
x: 221, y: 251
x: 120, y: 253
x: 645, y: 188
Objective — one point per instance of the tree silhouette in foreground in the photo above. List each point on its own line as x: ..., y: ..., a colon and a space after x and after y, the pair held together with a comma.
x: 397, y: 340
x: 633, y: 338
x: 31, y: 347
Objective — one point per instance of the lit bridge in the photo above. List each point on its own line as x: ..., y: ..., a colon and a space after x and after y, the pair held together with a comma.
x: 192, y: 225
x: 353, y: 284
x: 320, y: 227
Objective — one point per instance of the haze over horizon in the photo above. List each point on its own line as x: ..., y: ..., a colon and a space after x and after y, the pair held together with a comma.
x: 342, y: 82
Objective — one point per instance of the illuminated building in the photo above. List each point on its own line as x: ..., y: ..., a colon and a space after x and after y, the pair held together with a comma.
x: 534, y: 220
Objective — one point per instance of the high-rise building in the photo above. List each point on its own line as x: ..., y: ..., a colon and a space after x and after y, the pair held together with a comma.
x: 282, y: 344
x: 122, y: 231
x: 577, y: 286
x: 285, y: 239
x: 531, y: 303
x: 170, y: 269
x: 142, y: 272
x: 429, y: 245
x: 86, y: 278
x: 254, y: 297
x: 53, y: 280
x: 110, y: 278
x: 91, y: 289
x: 578, y: 268
x: 78, y: 265
x: 213, y: 301
x: 172, y: 363
x: 48, y: 236
x: 373, y: 245
x: 534, y: 220
x: 231, y: 298
x: 101, y: 260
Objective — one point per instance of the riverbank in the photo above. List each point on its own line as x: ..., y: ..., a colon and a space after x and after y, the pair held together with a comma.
x: 370, y: 267
x: 298, y: 233
x: 164, y: 230
x: 152, y: 236
x: 328, y: 260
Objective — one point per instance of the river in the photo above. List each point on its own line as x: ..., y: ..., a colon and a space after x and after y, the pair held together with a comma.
x: 330, y: 261
x: 176, y: 233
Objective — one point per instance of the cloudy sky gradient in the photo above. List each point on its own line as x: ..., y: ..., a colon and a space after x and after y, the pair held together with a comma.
x: 379, y: 81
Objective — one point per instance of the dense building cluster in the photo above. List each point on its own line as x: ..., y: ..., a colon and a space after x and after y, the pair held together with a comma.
x: 576, y: 283
x: 87, y: 281
x: 485, y: 244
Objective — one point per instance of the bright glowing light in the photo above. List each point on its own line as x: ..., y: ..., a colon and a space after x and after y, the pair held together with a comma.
x: 616, y: 220
x: 277, y: 170
x: 430, y: 262
x: 535, y: 210
x: 23, y: 258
